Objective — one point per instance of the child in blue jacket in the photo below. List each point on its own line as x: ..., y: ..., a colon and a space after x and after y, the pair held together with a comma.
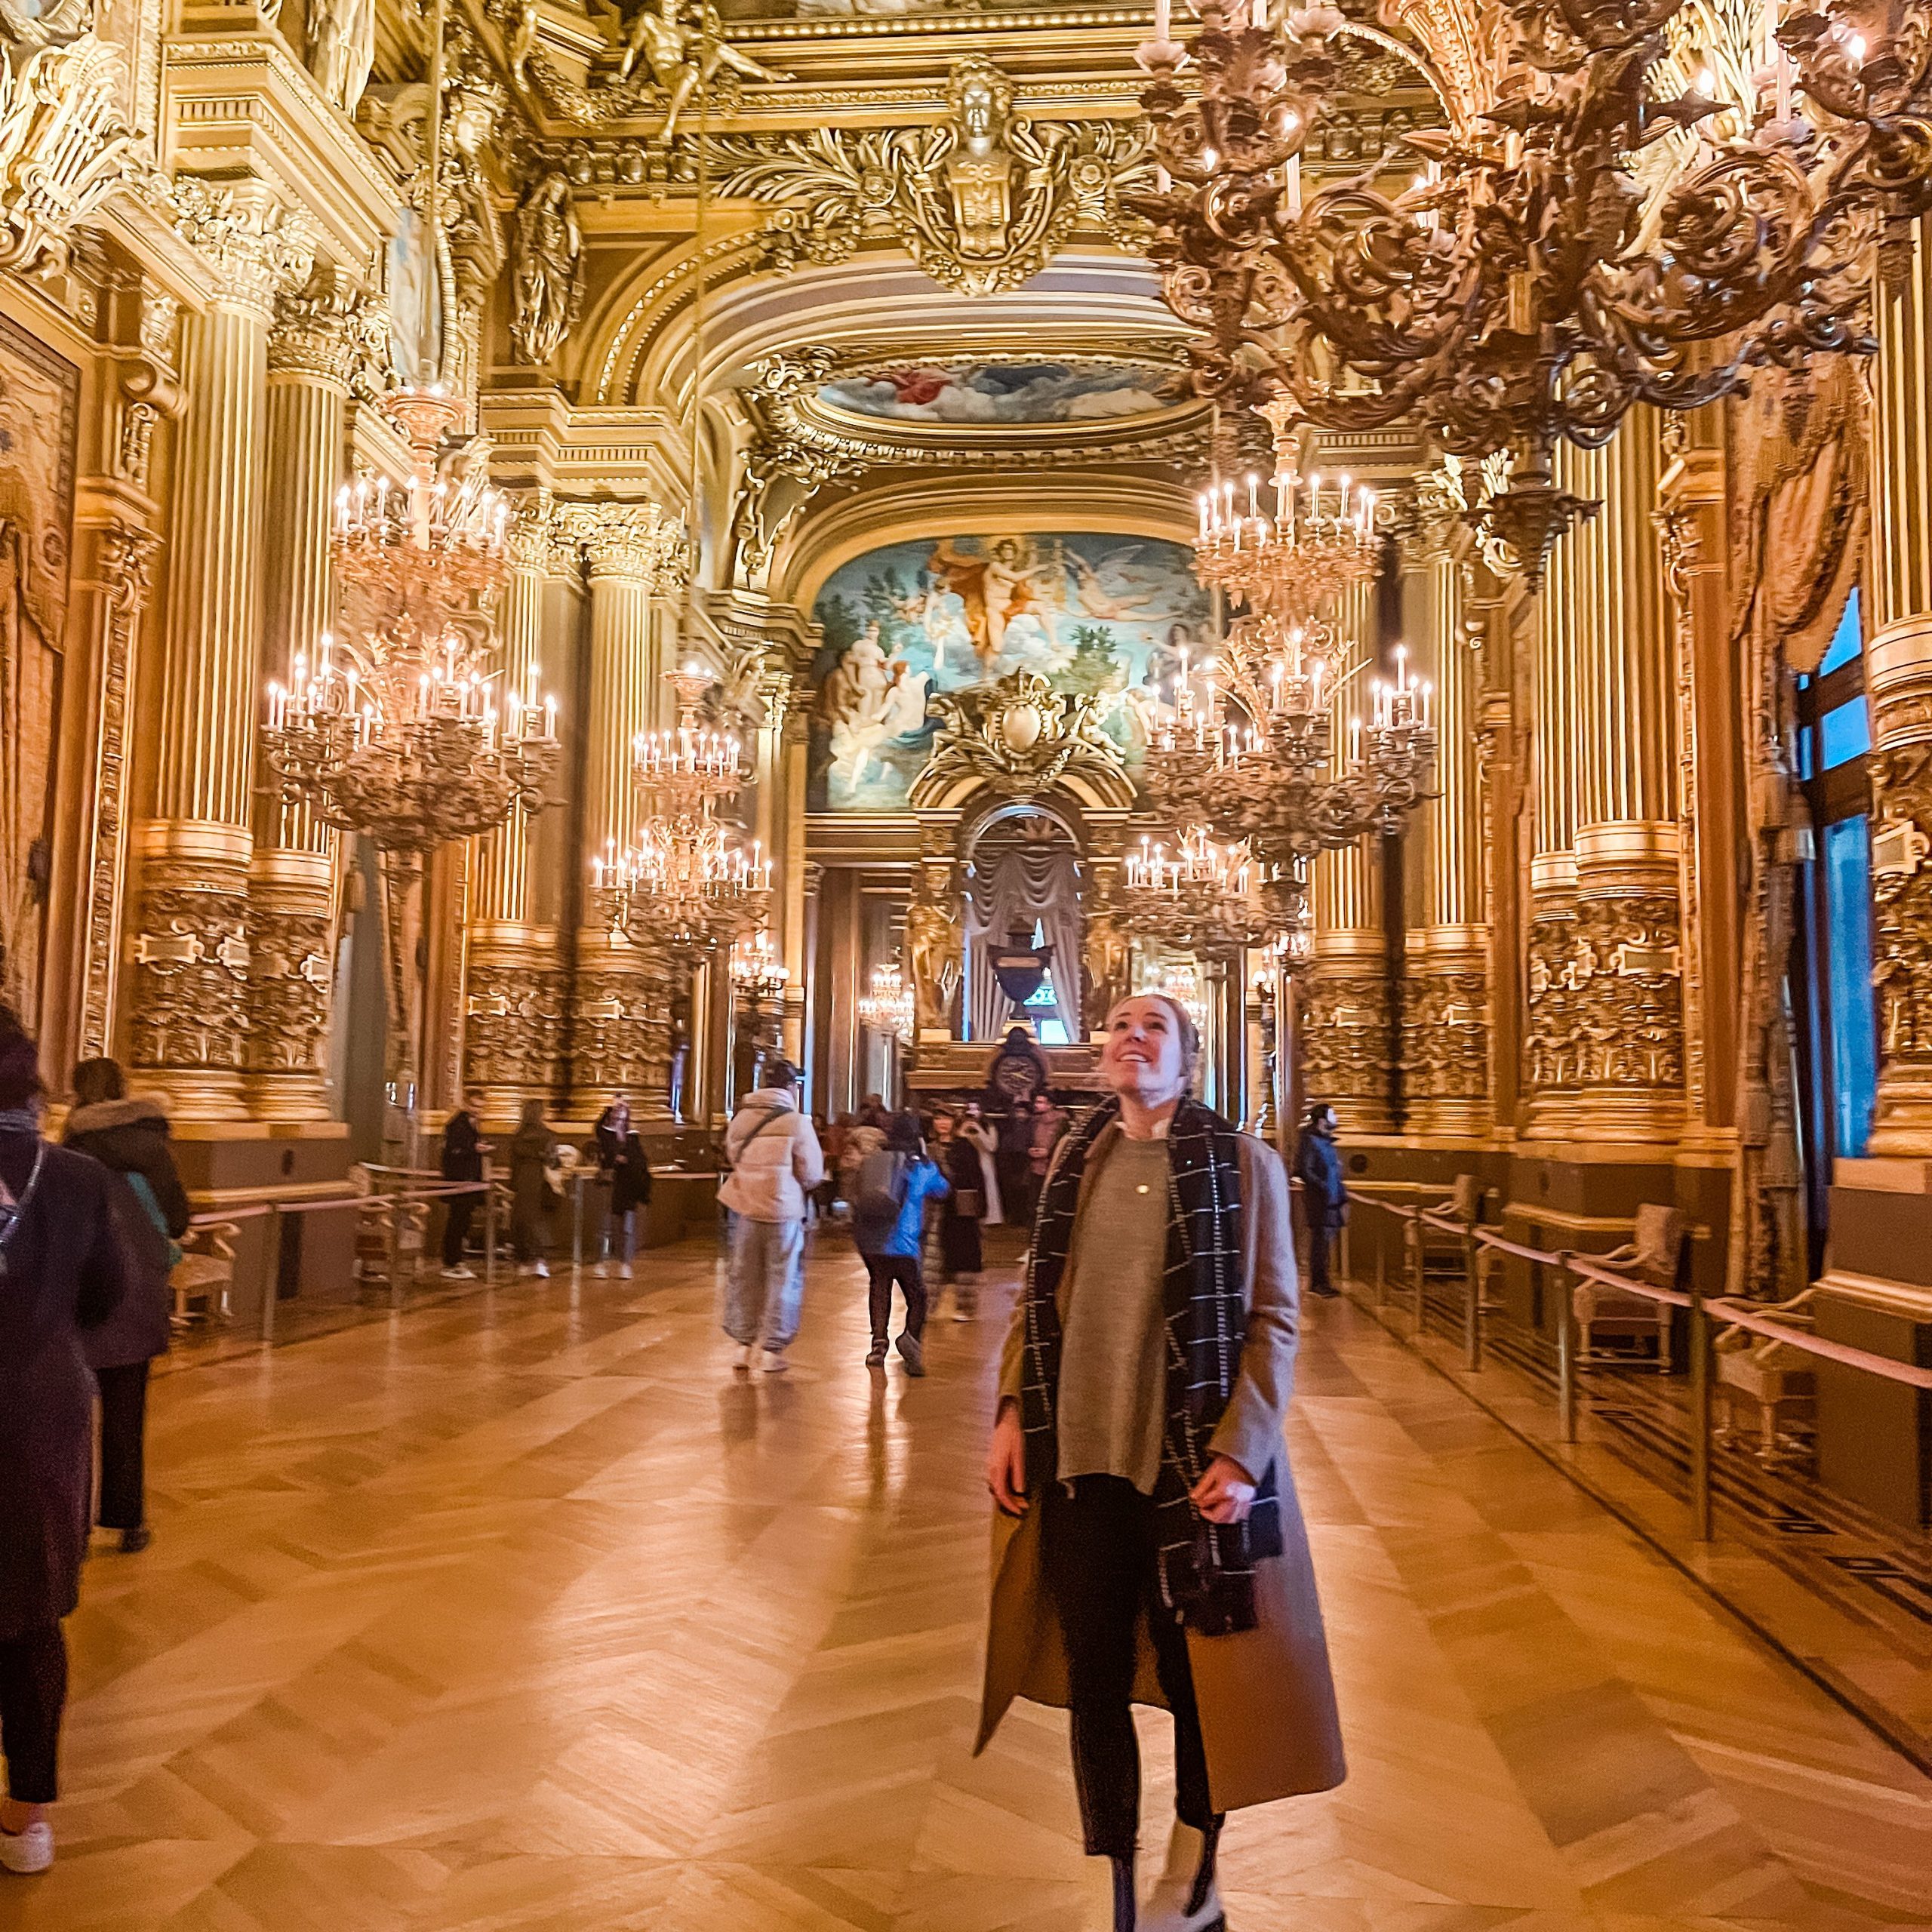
x: 889, y: 1193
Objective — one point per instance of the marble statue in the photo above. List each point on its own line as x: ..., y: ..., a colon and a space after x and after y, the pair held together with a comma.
x: 342, y: 48
x: 682, y: 47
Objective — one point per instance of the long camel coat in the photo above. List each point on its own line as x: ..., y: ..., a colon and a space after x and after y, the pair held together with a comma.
x: 1267, y: 1697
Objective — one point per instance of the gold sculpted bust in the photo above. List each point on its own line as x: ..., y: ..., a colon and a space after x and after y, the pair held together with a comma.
x: 979, y: 172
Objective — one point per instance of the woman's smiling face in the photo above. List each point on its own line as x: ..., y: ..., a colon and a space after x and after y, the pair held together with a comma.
x: 1143, y: 1055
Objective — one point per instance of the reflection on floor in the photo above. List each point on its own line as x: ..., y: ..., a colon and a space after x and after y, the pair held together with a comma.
x: 518, y: 1611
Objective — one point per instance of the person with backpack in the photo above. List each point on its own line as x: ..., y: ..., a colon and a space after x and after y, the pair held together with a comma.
x: 888, y: 1229
x: 621, y: 1158
x: 775, y: 1160
x: 150, y: 1209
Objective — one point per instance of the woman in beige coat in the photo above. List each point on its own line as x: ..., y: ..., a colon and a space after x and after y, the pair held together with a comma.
x: 1150, y: 1547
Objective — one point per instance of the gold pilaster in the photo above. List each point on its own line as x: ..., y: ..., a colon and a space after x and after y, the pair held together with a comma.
x: 517, y: 994
x: 191, y: 953
x: 1606, y: 1038
x: 623, y: 1034
x: 292, y: 875
x: 1898, y: 683
x: 1347, y: 1035
x: 1445, y: 1005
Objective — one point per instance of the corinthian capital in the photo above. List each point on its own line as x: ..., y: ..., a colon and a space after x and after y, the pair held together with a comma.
x: 317, y: 331
x: 628, y: 543
x: 532, y: 531
x: 255, y: 247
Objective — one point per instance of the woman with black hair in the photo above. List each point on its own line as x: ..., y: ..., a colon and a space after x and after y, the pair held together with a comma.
x: 61, y: 1273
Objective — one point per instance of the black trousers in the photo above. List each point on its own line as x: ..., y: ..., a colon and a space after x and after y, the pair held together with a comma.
x: 459, y: 1210
x: 1098, y: 1551
x: 33, y: 1695
x: 1321, y: 1236
x: 883, y: 1270
x: 124, y: 1423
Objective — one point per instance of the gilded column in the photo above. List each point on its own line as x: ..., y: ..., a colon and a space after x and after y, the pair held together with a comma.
x: 1549, y: 1043
x: 513, y: 1032
x: 1445, y: 1011
x: 191, y: 953
x: 1624, y: 966
x: 1898, y: 683
x: 1348, y: 1044
x: 292, y: 875
x: 796, y: 936
x: 623, y: 1035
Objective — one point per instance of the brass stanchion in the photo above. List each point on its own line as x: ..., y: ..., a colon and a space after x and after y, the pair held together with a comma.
x: 1566, y: 1360
x: 1472, y: 1308
x: 1700, y: 1417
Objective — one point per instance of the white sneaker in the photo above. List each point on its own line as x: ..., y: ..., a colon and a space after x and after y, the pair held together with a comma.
x: 25, y: 1852
x: 775, y: 1363
x: 621, y: 1271
x: 541, y: 1269
x: 459, y: 1274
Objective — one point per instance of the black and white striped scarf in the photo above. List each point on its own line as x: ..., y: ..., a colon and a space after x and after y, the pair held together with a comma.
x: 1207, y: 1569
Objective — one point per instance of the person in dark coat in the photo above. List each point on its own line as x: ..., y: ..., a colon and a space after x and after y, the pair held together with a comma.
x: 961, y: 1257
x: 621, y: 1158
x: 463, y: 1149
x: 129, y: 1136
x: 62, y: 1274
x: 1324, y: 1195
x: 532, y: 1148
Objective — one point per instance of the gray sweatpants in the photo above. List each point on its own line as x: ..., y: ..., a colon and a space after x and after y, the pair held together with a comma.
x: 765, y: 1282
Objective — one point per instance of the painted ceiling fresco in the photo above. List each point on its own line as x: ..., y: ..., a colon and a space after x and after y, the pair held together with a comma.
x: 1007, y: 394
x: 1100, y: 615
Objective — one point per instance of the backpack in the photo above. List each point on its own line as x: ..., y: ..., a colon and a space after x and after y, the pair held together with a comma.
x: 879, y: 1189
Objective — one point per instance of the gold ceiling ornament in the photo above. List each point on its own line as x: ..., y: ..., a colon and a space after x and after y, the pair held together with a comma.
x: 1019, y: 736
x: 1526, y: 289
x: 982, y: 200
x: 64, y: 149
x: 686, y: 887
x: 396, y: 730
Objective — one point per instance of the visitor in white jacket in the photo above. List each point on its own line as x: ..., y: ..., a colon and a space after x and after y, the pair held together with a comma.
x: 776, y: 1162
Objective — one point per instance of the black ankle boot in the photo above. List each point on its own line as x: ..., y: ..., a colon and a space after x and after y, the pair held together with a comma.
x: 1125, y: 1906
x: 1203, y: 1876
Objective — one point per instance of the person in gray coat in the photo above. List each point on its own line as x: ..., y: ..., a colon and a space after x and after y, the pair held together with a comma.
x: 60, y: 1266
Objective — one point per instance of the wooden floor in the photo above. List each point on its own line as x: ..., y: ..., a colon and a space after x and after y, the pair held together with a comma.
x: 520, y: 1612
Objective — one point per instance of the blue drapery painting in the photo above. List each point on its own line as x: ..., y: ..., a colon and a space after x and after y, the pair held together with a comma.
x: 1100, y: 615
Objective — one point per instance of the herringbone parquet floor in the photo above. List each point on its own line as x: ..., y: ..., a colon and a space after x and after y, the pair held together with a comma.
x: 518, y: 1612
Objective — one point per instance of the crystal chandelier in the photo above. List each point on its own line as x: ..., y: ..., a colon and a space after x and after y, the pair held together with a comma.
x: 1546, y: 270
x: 398, y: 729
x: 685, y: 887
x: 757, y: 972
x: 1201, y: 896
x: 887, y: 1008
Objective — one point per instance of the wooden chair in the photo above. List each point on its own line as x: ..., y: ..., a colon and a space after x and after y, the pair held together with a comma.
x: 1658, y: 1252
x: 203, y: 1280
x: 1773, y: 1385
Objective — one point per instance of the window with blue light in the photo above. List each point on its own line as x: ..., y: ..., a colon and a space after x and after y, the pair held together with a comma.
x: 1847, y: 641
x: 1845, y: 733
x: 1847, y: 865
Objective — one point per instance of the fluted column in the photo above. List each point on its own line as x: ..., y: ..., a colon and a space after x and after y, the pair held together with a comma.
x: 1626, y: 966
x: 513, y: 1016
x: 191, y: 950
x: 1347, y: 1043
x: 1445, y: 1006
x: 622, y: 1038
x: 292, y: 875
x: 1898, y: 683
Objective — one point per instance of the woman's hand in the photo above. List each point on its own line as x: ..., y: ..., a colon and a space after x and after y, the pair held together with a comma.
x: 1006, y: 1460
x: 1226, y: 1493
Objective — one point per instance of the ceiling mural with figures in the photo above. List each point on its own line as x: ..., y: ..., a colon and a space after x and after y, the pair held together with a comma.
x: 1006, y: 393
x: 1100, y: 615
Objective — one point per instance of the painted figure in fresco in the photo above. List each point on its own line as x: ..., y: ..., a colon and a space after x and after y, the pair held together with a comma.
x: 1097, y: 600
x: 868, y: 699
x: 1004, y: 584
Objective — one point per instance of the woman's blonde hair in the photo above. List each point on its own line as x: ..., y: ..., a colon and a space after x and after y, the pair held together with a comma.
x: 1185, y: 1029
